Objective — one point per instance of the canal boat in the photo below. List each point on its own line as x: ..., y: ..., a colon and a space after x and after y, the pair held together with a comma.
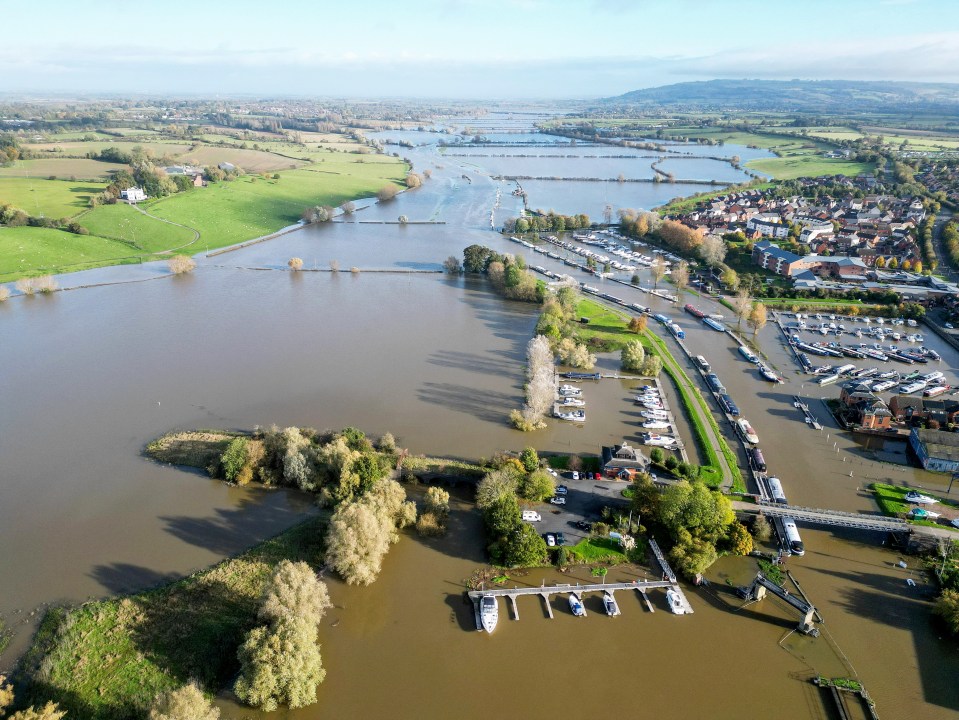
x: 776, y: 490
x: 489, y: 612
x: 675, y: 601
x: 746, y: 430
x: 792, y: 540
x: 748, y: 354
x: 576, y: 605
x: 709, y: 322
x: 580, y: 376
x: 702, y: 363
x: 935, y: 391
x: 609, y: 602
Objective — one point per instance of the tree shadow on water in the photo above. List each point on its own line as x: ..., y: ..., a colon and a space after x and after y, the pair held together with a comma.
x: 489, y: 406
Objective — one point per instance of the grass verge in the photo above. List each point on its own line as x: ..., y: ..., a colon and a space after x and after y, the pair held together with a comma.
x: 107, y: 660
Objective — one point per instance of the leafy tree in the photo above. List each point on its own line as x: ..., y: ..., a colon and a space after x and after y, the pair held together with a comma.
x: 529, y: 458
x: 503, y: 516
x: 493, y: 486
x: 742, y: 305
x: 476, y: 258
x: 180, y: 264
x: 652, y: 366
x: 757, y: 318
x: 681, y: 276
x: 658, y: 270
x: 692, y: 555
x: 6, y: 694
x: 695, y: 509
x: 739, y: 541
x: 438, y: 501
x: 356, y: 543
x: 638, y: 324
x: 947, y: 607
x: 537, y: 485
x: 234, y: 457
x: 525, y: 547
x: 368, y: 470
x: 184, y: 703
x: 452, y: 265
x: 294, y: 593
x: 633, y: 356
x: 295, y: 263
x: 657, y: 455
x: 281, y: 664
x: 762, y: 530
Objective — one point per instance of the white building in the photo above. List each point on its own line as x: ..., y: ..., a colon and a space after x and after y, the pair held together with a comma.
x: 133, y: 195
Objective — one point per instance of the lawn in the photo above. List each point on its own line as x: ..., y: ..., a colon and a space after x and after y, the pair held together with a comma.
x: 591, y: 550
x: 26, y: 251
x: 107, y: 660
x: 230, y: 212
x: 606, y: 324
x: 82, y: 168
x: 892, y: 501
x: 141, y: 232
x: 789, y: 167
x: 49, y: 198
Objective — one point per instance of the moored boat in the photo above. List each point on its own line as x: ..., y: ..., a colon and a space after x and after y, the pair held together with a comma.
x: 489, y: 612
x: 576, y: 605
x: 609, y: 602
x: 675, y: 601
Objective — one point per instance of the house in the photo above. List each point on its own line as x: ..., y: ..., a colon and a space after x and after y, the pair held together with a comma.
x: 133, y: 195
x: 623, y: 461
x: 875, y: 415
x: 767, y: 228
x: 906, y: 408
x: 937, y: 451
x: 197, y: 181
x: 854, y: 392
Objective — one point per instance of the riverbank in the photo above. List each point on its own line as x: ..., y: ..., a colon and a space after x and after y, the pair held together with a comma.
x: 107, y: 660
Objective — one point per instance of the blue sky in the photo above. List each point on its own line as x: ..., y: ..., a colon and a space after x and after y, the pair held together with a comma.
x: 466, y: 48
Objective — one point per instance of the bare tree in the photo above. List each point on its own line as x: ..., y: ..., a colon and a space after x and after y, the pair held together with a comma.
x: 403, y: 219
x: 540, y: 384
x: 180, y: 264
x: 4, y: 292
x: 452, y: 265
x: 387, y: 192
x: 184, y: 703
x: 348, y: 208
x: 413, y: 180
x: 713, y: 250
x: 295, y: 263
x: 681, y: 276
x: 742, y: 304
x: 335, y: 266
x: 25, y: 286
x: 658, y: 270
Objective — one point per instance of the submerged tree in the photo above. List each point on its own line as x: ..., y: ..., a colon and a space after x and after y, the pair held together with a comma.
x: 180, y: 264
x: 184, y: 703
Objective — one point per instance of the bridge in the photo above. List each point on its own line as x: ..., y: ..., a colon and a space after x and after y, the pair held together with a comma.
x: 761, y: 585
x: 834, y: 518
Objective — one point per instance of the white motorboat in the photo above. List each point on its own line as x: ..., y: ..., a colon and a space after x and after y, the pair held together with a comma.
x: 576, y: 605
x: 914, y: 497
x: 675, y: 602
x: 489, y: 612
x: 572, y: 416
x: 656, y: 425
x: 612, y: 607
x: 654, y: 414
x: 570, y: 390
x: 768, y: 374
x: 573, y: 402
x: 658, y: 440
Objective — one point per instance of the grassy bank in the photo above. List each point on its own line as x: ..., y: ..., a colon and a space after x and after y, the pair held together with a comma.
x: 597, y: 549
x: 107, y: 660
x: 892, y: 501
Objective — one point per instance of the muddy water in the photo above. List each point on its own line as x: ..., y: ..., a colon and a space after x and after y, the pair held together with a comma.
x: 90, y: 376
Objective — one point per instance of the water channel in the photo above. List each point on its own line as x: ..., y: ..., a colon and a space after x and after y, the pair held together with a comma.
x: 243, y: 342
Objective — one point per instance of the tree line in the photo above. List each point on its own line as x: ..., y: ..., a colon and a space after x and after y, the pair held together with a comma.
x: 507, y: 274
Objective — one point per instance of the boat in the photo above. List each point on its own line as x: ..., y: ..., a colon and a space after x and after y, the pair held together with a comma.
x: 654, y: 414
x: 919, y: 513
x: 581, y: 376
x: 915, y: 497
x: 748, y: 354
x: 746, y: 430
x: 572, y: 402
x: 675, y: 601
x: 489, y: 612
x: 572, y: 416
x: 612, y: 607
x: 935, y: 391
x: 576, y: 605
x: 570, y: 390
x: 768, y: 374
x: 658, y: 440
x: 656, y: 424
x: 708, y: 321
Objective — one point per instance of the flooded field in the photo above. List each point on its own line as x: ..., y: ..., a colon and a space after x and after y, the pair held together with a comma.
x: 91, y: 375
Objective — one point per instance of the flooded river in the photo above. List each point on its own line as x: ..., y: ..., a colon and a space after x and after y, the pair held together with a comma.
x: 91, y: 375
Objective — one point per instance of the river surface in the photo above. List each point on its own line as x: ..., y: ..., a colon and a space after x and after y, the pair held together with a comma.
x: 91, y: 375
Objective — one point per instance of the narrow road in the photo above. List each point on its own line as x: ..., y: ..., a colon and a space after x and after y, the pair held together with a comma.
x: 945, y: 267
x: 196, y: 233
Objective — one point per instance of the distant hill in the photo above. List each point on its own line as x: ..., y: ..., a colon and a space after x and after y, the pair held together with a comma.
x: 798, y: 95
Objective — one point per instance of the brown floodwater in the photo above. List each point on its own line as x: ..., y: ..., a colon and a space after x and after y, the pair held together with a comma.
x: 90, y: 376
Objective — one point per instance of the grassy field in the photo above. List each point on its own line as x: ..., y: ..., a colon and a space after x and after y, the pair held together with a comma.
x: 107, y: 660
x: 231, y: 212
x: 252, y: 161
x: 892, y: 501
x: 592, y: 550
x: 26, y: 251
x: 82, y: 168
x: 50, y: 198
x: 140, y: 232
x: 808, y: 165
x: 604, y: 323
x: 79, y: 149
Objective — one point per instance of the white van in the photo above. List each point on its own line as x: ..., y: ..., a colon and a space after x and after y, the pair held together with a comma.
x: 531, y: 516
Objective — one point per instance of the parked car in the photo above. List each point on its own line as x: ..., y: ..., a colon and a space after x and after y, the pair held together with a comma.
x: 575, y: 475
x: 550, y: 539
x: 552, y: 472
x: 583, y: 525
x: 949, y: 326
x: 558, y: 500
x: 560, y: 539
x: 562, y: 490
x: 531, y: 516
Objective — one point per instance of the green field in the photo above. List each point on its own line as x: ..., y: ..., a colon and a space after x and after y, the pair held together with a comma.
x: 26, y: 251
x: 80, y: 149
x: 808, y: 165
x: 140, y: 232
x: 231, y: 212
x: 50, y: 198
x: 81, y: 168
